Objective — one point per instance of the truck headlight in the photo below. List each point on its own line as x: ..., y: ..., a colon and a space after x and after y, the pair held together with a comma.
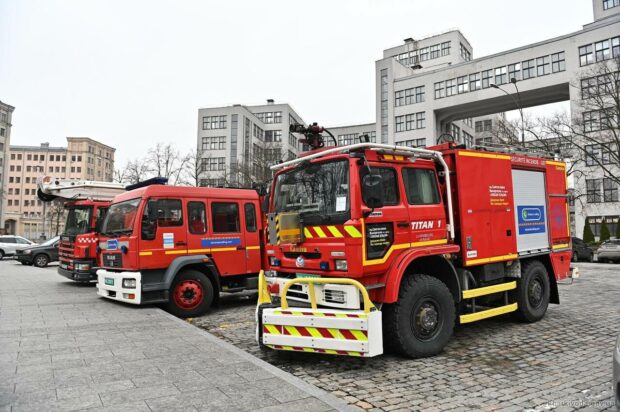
x: 82, y: 266
x: 129, y: 283
x: 341, y: 264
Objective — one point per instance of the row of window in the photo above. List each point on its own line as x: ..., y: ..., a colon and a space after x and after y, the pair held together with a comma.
x: 421, y: 142
x: 384, y: 106
x: 213, y: 122
x: 258, y: 133
x: 540, y: 66
x: 270, y: 117
x: 594, y: 194
x: 214, y: 143
x: 414, y: 57
x: 599, y: 51
x: 597, y: 154
x: 484, y: 126
x: 465, y: 53
x: 413, y: 121
x: 224, y: 216
x: 608, y: 4
x: 409, y: 96
x: 41, y: 158
x: 15, y: 202
x: 273, y: 136
x: 599, y: 85
x: 213, y: 182
x: 420, y: 185
x: 213, y: 164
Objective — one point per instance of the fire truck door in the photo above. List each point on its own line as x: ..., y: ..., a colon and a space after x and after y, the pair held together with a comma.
x: 197, y: 226
x: 252, y: 239
x: 387, y: 228
x: 171, y: 235
x: 530, y: 210
x: 426, y: 211
x: 226, y: 239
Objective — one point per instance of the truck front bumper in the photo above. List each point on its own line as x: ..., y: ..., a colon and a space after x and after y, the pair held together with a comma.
x: 77, y: 275
x: 110, y: 286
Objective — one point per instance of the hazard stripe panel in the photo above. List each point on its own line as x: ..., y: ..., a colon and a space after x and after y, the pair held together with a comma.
x: 313, y: 350
x: 330, y: 333
x: 331, y: 231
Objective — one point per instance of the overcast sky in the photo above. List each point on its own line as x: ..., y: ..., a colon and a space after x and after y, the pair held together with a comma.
x: 132, y: 73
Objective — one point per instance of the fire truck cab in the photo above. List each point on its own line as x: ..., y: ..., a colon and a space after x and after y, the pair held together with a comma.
x: 373, y: 245
x: 86, y: 203
x: 180, y: 246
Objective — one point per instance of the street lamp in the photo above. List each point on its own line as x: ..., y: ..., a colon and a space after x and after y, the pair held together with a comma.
x: 517, y: 103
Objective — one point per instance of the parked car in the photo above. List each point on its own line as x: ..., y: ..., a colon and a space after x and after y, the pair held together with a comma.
x: 609, y: 251
x: 581, y: 251
x: 616, y: 381
x: 10, y: 243
x: 39, y: 255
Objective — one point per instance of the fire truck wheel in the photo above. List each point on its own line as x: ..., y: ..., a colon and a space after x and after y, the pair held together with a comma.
x: 532, y: 292
x: 191, y: 294
x: 41, y: 260
x: 421, y: 322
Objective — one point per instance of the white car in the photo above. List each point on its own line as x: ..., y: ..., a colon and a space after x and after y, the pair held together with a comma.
x: 10, y: 243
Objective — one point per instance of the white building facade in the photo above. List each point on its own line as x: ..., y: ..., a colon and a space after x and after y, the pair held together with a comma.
x: 6, y: 115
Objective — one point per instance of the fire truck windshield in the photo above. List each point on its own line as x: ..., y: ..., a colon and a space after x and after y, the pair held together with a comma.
x: 78, y: 220
x: 120, y: 218
x: 318, y: 191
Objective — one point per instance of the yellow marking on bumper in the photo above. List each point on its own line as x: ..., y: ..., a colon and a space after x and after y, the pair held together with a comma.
x: 307, y: 233
x: 485, y: 155
x: 359, y: 335
x: 273, y: 330
x: 561, y: 246
x: 334, y: 230
x: 319, y: 231
x: 491, y: 259
x: 352, y: 231
x: 488, y: 290
x: 292, y: 330
x: 489, y: 313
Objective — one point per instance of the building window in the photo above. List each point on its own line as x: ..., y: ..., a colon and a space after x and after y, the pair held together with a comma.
x: 528, y: 69
x: 214, y: 164
x: 409, y: 96
x: 450, y: 87
x: 347, y: 139
x: 424, y: 54
x: 608, y: 4
x: 456, y: 132
x: 384, y: 106
x: 542, y: 66
x: 610, y: 190
x: 465, y: 54
x: 434, y: 51
x: 474, y: 82
x: 270, y: 117
x: 273, y: 136
x: 514, y: 71
x: 487, y: 75
x: 500, y: 75
x: 601, y: 49
x: 586, y: 55
x: 420, y: 120
x: 558, y: 63
x: 213, y: 122
x: 594, y: 120
x: 258, y: 133
x: 593, y: 190
x: 440, y: 91
x: 214, y: 143
x: 468, y: 139
x: 410, y: 121
x: 445, y: 48
x: 462, y: 86
x: 615, y: 46
x: 421, y: 142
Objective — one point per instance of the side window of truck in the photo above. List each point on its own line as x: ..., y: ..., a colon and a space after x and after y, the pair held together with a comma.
x: 250, y: 217
x: 169, y: 213
x: 390, y: 183
x: 197, y: 218
x: 421, y: 186
x: 225, y: 217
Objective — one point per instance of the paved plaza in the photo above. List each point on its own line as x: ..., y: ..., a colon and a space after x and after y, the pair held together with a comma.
x: 64, y: 348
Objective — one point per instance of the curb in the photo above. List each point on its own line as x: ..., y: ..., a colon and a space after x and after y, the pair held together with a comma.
x: 312, y: 390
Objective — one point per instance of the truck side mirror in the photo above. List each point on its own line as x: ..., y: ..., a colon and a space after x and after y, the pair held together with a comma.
x: 372, y: 191
x: 149, y: 221
x: 264, y: 205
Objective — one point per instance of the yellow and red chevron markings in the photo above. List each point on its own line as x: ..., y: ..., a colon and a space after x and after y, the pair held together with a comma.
x: 316, y: 350
x: 312, y: 332
x: 330, y: 231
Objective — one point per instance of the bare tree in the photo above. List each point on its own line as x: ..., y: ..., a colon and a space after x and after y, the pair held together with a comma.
x: 192, y: 168
x: 256, y: 171
x: 136, y: 171
x: 54, y: 214
x: 166, y: 161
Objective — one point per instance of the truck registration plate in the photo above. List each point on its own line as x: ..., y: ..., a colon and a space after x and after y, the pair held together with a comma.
x: 109, y: 281
x: 307, y: 275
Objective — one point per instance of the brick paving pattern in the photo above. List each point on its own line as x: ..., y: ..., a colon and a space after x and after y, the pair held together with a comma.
x: 561, y: 363
x: 64, y: 348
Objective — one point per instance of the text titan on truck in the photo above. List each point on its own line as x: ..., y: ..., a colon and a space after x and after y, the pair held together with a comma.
x: 372, y: 245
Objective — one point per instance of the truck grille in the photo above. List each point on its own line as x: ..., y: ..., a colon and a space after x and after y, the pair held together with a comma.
x: 66, y: 252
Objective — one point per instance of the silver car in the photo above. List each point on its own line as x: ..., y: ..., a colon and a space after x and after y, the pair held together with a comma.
x: 609, y: 251
x: 616, y: 381
x: 10, y: 243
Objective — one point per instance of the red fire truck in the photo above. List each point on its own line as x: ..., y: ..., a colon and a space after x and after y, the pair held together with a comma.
x: 86, y: 203
x: 372, y: 245
x: 180, y: 246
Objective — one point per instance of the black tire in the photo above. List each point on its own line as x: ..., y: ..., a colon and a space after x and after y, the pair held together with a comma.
x: 41, y: 260
x: 533, y: 291
x: 1, y: 254
x: 421, y: 322
x: 191, y: 294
